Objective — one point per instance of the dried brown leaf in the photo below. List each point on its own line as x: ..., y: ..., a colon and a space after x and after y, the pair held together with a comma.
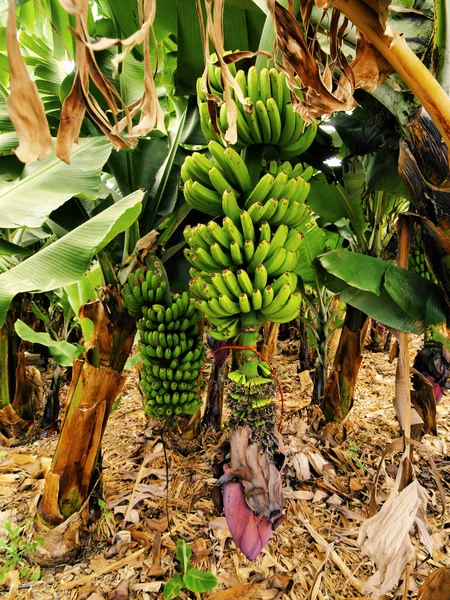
x: 436, y: 586
x: 24, y: 105
x: 122, y: 591
x: 369, y: 67
x: 299, y: 60
x: 238, y: 592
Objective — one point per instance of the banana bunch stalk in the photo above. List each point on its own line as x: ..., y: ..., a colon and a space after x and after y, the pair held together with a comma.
x: 242, y: 275
x: 267, y: 117
x: 170, y: 344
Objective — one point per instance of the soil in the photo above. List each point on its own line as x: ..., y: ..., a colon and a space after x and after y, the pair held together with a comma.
x: 129, y: 552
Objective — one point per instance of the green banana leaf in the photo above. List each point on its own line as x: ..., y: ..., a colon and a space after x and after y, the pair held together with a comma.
x: 66, y: 260
x: 394, y: 296
x: 45, y: 185
x: 63, y: 352
x: 332, y: 202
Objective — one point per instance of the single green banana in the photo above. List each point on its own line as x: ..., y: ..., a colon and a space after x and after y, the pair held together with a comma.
x: 244, y: 303
x: 236, y: 253
x: 253, y: 121
x: 239, y: 169
x: 233, y: 232
x: 256, y: 211
x: 277, y: 189
x: 230, y: 307
x: 278, y: 239
x: 253, y: 84
x: 293, y: 241
x: 264, y: 121
x: 219, y: 234
x: 256, y: 299
x: 260, y: 277
x: 231, y: 281
x: 275, y: 261
x: 231, y: 207
x: 244, y: 282
x: 217, y: 151
x: 270, y: 208
x: 260, y: 191
x: 267, y: 296
x: 249, y: 250
x: 260, y: 254
x: 276, y: 86
x: 282, y: 208
x: 289, y: 311
x: 266, y: 233
x: 220, y: 257
x: 278, y: 301
x: 248, y: 228
x: 288, y: 125
x: 264, y: 85
x: 275, y: 120
x: 219, y: 183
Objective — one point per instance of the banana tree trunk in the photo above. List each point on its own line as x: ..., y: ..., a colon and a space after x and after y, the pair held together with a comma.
x: 338, y: 396
x: 97, y: 380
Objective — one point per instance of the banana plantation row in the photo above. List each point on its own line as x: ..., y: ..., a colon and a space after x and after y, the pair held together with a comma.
x: 169, y: 200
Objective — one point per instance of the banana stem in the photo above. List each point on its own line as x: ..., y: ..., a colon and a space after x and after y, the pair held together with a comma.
x: 249, y: 337
x: 397, y: 52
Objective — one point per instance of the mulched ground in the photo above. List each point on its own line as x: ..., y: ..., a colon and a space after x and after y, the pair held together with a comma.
x: 313, y: 554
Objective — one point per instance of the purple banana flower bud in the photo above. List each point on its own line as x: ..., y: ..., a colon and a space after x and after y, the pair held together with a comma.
x: 250, y: 533
x: 220, y: 358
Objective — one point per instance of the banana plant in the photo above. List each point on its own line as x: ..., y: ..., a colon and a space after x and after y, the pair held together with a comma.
x: 361, y: 211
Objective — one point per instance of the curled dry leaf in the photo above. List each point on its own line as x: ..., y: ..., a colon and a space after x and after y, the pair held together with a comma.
x: 80, y: 99
x: 24, y: 105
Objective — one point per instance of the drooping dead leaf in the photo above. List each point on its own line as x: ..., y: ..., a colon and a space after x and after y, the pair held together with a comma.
x: 299, y: 61
x: 87, y: 71
x: 24, y: 105
x: 385, y: 537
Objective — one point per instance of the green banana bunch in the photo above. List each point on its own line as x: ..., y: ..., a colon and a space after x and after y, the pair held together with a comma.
x: 418, y: 264
x: 169, y: 342
x: 277, y: 197
x: 247, y: 263
x: 267, y: 117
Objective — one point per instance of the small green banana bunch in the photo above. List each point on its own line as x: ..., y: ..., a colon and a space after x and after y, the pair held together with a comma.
x: 418, y: 264
x: 278, y: 196
x: 171, y: 348
x: 247, y: 263
x: 267, y: 117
